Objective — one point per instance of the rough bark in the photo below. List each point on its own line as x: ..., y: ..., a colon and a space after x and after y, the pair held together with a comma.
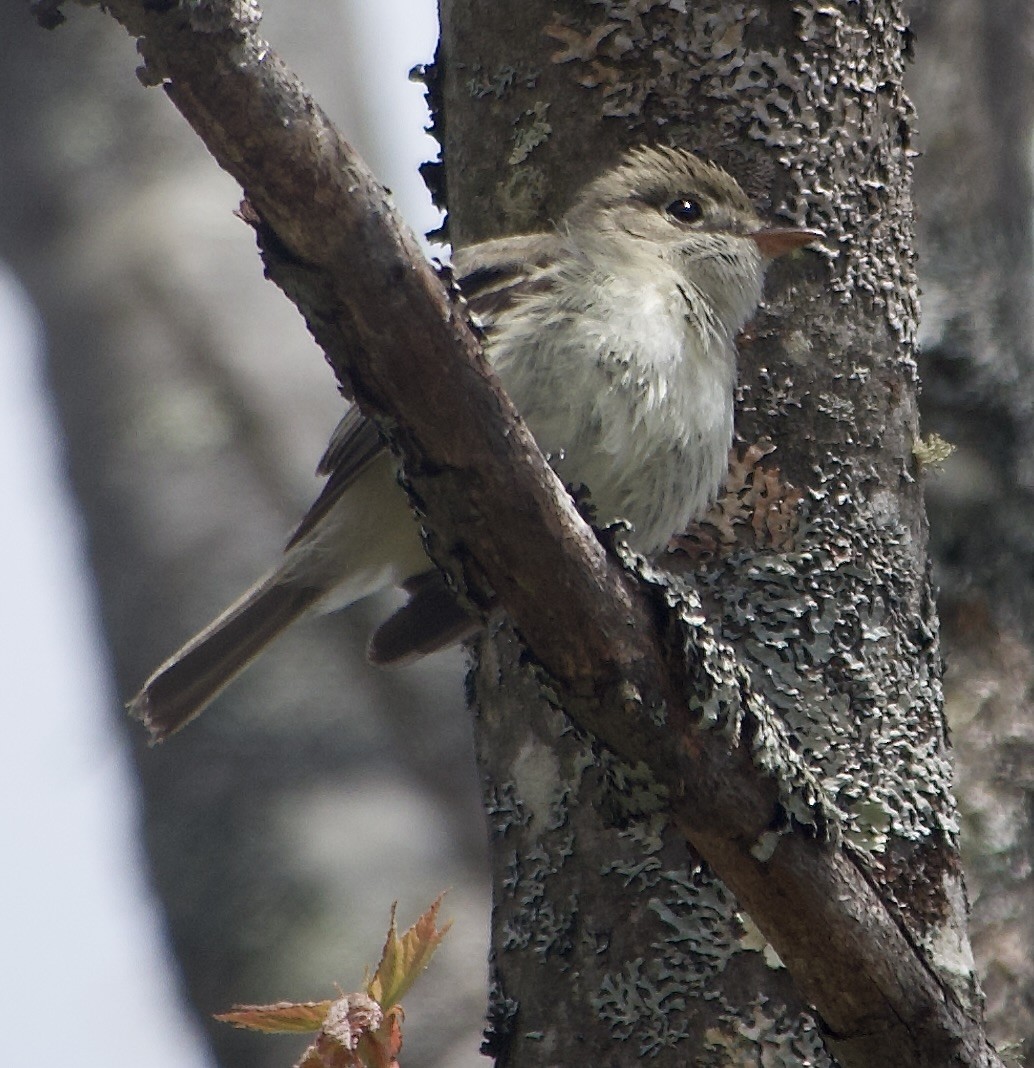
x: 834, y: 622
x: 824, y: 644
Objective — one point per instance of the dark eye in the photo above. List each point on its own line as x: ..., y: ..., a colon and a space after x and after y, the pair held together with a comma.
x: 685, y: 210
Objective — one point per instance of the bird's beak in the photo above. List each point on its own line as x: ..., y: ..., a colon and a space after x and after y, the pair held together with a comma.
x: 775, y: 241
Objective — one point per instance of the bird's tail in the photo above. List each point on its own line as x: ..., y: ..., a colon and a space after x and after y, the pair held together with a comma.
x: 184, y: 685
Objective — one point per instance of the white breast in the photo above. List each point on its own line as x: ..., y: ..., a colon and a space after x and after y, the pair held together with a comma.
x: 627, y: 388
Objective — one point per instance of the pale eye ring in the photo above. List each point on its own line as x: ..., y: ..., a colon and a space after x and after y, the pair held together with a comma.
x: 685, y: 210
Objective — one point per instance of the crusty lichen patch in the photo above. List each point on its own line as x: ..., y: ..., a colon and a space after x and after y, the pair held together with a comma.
x: 932, y: 451
x: 653, y: 985
x: 838, y: 631
x: 832, y: 636
x: 788, y: 1043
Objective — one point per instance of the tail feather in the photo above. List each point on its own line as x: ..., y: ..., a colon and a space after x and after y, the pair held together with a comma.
x: 185, y: 684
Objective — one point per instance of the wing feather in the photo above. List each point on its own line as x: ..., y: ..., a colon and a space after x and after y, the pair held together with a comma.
x: 492, y: 275
x: 354, y: 445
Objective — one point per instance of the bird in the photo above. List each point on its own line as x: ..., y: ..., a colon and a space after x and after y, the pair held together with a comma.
x: 614, y: 334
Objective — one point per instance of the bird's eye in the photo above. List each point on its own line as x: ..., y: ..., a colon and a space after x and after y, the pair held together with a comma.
x: 685, y: 210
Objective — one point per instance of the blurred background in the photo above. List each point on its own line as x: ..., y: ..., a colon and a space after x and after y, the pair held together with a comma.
x: 162, y: 409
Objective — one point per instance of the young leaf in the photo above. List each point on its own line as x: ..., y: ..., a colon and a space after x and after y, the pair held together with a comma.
x: 360, y: 1030
x: 283, y: 1016
x: 403, y: 959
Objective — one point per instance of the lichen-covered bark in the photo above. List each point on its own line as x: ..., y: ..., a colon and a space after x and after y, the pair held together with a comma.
x: 613, y: 943
x: 835, y: 621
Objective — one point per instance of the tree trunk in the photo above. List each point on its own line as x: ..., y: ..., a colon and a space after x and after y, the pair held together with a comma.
x: 612, y: 941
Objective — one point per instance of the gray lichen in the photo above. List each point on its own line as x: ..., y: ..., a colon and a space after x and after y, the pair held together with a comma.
x: 831, y: 636
x: 689, y: 936
x: 532, y: 130
x: 505, y: 809
x: 700, y: 937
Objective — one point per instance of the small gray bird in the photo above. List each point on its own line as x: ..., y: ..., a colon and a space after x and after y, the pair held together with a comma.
x: 614, y: 335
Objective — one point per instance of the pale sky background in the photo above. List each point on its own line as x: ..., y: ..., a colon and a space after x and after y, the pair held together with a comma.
x: 78, y: 984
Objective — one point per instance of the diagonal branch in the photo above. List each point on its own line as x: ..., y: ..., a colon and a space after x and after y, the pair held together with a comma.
x: 635, y: 663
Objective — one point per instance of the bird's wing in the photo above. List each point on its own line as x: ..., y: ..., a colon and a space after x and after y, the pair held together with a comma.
x: 491, y: 276
x: 354, y: 445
